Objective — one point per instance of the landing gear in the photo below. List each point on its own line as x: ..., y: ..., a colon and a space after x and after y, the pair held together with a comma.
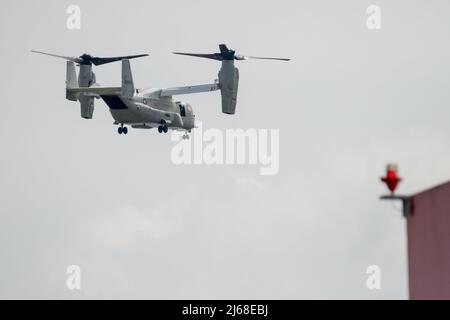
x: 185, y: 136
x: 163, y: 127
x: 122, y: 129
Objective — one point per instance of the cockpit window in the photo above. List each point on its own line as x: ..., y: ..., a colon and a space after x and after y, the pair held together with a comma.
x: 182, y: 111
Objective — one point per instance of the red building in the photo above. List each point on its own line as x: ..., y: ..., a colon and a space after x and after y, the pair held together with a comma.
x: 428, y: 227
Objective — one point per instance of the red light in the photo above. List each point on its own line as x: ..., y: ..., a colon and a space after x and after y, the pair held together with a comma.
x: 391, y: 178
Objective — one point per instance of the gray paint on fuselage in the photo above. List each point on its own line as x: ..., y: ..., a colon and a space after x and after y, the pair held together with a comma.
x: 132, y: 111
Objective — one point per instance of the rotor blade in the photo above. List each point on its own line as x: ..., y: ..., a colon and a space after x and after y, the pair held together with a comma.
x: 201, y: 55
x: 73, y: 59
x: 261, y: 58
x: 99, y: 61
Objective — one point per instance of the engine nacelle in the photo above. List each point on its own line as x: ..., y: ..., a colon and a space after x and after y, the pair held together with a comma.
x: 86, y: 78
x: 86, y: 106
x: 229, y: 83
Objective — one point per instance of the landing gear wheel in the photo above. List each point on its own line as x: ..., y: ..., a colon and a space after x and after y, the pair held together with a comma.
x: 165, y: 129
x: 160, y: 129
x: 120, y: 130
x: 125, y: 130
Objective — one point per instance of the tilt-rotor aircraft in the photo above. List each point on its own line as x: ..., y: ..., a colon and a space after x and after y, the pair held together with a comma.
x: 149, y: 108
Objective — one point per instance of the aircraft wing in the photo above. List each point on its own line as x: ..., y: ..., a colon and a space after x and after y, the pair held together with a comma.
x: 168, y: 92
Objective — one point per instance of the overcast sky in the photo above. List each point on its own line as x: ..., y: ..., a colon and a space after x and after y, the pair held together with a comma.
x: 74, y: 192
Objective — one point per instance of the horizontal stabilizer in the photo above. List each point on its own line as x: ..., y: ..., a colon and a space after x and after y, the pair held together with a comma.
x: 96, y: 90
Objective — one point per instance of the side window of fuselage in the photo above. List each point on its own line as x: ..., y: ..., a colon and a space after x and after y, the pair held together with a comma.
x: 182, y: 111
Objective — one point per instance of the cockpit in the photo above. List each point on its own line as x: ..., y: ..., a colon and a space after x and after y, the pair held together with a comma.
x: 185, y: 108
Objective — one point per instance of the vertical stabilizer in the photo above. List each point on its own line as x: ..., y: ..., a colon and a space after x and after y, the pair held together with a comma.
x: 127, y: 80
x: 71, y: 81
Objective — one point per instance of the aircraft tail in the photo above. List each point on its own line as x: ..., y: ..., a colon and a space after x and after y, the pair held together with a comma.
x: 86, y: 101
x: 71, y: 81
x: 127, y: 80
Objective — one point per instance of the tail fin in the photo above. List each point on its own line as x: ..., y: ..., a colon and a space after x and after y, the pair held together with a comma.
x: 71, y: 81
x: 127, y: 80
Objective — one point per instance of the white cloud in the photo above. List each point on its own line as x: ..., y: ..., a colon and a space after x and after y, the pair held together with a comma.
x: 128, y: 225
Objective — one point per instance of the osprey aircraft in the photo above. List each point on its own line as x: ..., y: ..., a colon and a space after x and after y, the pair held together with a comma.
x: 151, y: 107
